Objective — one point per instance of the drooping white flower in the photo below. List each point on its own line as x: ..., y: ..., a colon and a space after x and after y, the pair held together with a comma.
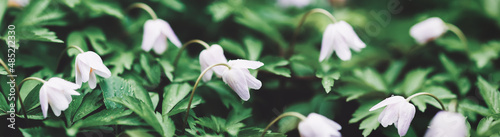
x: 57, y: 93
x: 340, y: 37
x: 447, y: 124
x: 398, y: 111
x: 240, y: 79
x: 293, y: 3
x: 211, y: 56
x: 88, y: 64
x: 156, y: 33
x: 316, y: 125
x: 428, y: 30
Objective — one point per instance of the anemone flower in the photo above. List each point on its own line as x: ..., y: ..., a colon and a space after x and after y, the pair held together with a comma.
x: 209, y: 57
x: 428, y: 30
x: 57, y: 93
x: 88, y: 64
x: 316, y: 125
x: 156, y: 33
x: 239, y: 78
x: 398, y: 112
x: 340, y: 37
x: 447, y: 124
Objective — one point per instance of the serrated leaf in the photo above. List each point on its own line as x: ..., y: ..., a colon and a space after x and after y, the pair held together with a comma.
x: 152, y: 70
x: 490, y: 94
x: 97, y: 39
x: 232, y: 47
x: 276, y: 65
x: 121, y: 61
x: 452, y: 69
x: 254, y: 47
x: 115, y: 87
x: 90, y: 103
x: 414, y: 80
x: 393, y: 71
x: 371, y: 78
x: 327, y: 84
x: 101, y: 8
x: 37, y: 34
x: 168, y: 69
x: 173, y: 94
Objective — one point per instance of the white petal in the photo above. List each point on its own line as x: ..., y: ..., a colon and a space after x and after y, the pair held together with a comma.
x: 93, y: 60
x: 167, y: 31
x: 327, y: 43
x: 236, y: 80
x: 316, y: 125
x: 57, y: 99
x: 406, y: 114
x: 61, y: 84
x: 150, y: 35
x: 92, y: 80
x: 207, y: 76
x: 217, y: 56
x: 347, y: 33
x: 388, y: 101
x: 342, y: 49
x: 428, y: 30
x: 245, y: 64
x: 390, y: 115
x: 83, y: 67
x: 44, y: 100
x: 160, y: 44
x: 252, y: 82
x: 447, y: 124
x: 56, y: 110
x: 78, y: 77
x: 321, y: 118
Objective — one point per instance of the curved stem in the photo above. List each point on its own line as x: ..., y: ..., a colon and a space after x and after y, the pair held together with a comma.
x: 64, y: 51
x: 18, y: 94
x: 196, y: 84
x: 144, y: 7
x: 296, y: 32
x: 428, y: 94
x: 460, y: 35
x: 295, y: 114
x: 201, y: 42
x: 29, y: 78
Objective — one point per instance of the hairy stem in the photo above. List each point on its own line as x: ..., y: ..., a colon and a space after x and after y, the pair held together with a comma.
x: 428, y: 94
x: 144, y: 7
x: 295, y: 114
x: 460, y: 35
x: 296, y: 32
x: 196, y: 84
x: 201, y: 42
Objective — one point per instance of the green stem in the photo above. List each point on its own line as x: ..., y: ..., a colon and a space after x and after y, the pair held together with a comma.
x: 18, y: 94
x: 144, y: 7
x: 460, y: 35
x: 295, y: 114
x: 201, y: 42
x: 296, y: 32
x: 453, y: 106
x: 196, y: 84
x: 428, y: 94
x: 64, y: 51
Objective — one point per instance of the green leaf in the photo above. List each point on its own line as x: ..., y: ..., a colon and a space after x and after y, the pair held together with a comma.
x: 121, y: 61
x: 72, y: 3
x: 38, y: 132
x: 327, y: 84
x: 37, y: 34
x: 490, y: 94
x: 220, y: 10
x: 251, y: 20
x: 328, y: 79
x: 486, y: 53
x: 38, y: 13
x: 97, y: 39
x: 232, y: 47
x: 90, y: 103
x: 168, y: 68
x: 3, y: 8
x: 368, y: 118
x: 371, y: 78
x: 393, y: 71
x: 254, y: 132
x: 452, y: 69
x: 276, y: 65
x: 173, y: 94
x: 440, y: 92
x: 152, y: 70
x: 115, y: 87
x: 76, y: 38
x: 413, y: 80
x: 173, y: 4
x: 101, y: 8
x: 488, y: 127
x: 254, y: 47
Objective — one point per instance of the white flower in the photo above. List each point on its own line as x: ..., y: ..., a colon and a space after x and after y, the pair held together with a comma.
x: 340, y: 37
x: 428, y: 30
x: 156, y: 33
x: 240, y: 79
x: 398, y: 111
x: 293, y: 3
x: 211, y: 56
x: 87, y: 65
x: 316, y: 125
x: 447, y: 124
x: 57, y: 92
